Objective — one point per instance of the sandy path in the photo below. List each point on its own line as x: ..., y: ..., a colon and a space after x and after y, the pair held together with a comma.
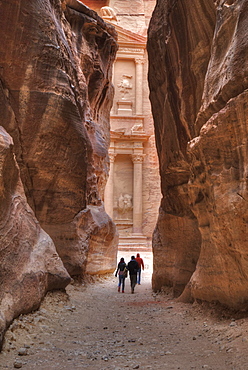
x: 95, y: 327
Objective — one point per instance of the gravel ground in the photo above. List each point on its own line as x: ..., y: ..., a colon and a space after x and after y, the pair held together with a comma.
x: 92, y: 326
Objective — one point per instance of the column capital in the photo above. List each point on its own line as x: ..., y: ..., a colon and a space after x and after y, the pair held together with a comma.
x: 137, y: 158
x: 112, y: 157
x: 140, y: 60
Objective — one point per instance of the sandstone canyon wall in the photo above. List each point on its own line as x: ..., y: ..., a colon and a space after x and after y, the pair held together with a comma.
x: 30, y: 265
x: 198, y: 89
x: 55, y: 98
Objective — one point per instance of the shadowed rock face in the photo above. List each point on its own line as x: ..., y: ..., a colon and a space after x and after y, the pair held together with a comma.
x: 199, y: 102
x: 55, y: 98
x: 30, y: 265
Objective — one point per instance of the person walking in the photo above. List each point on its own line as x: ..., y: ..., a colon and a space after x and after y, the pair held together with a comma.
x: 133, y: 267
x: 141, y: 265
x: 122, y: 272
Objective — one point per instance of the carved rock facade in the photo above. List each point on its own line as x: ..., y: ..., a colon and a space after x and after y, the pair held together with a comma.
x: 132, y: 194
x: 199, y: 102
x: 55, y: 98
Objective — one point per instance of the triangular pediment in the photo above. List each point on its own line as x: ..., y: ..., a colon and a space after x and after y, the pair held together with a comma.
x: 128, y: 37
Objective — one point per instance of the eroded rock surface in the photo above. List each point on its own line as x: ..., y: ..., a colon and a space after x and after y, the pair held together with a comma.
x: 55, y: 99
x: 199, y: 102
x: 30, y: 265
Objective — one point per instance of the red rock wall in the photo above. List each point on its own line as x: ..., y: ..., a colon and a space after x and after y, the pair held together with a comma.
x: 199, y: 103
x: 30, y: 265
x: 55, y: 96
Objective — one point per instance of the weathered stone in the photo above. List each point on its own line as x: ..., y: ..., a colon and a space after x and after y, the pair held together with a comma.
x: 55, y: 99
x: 30, y: 265
x: 18, y: 364
x: 219, y: 182
x: 175, y: 93
x: 23, y: 351
x: 200, y: 97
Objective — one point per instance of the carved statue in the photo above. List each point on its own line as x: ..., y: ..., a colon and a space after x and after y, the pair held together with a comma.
x: 125, y: 85
x: 137, y: 128
x: 125, y: 203
x: 108, y: 13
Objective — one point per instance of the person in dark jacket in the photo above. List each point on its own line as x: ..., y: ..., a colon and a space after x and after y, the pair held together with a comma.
x: 133, y: 267
x: 121, y: 271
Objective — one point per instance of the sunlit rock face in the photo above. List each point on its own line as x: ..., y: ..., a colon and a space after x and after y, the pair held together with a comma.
x: 30, y: 265
x: 199, y: 102
x: 55, y: 96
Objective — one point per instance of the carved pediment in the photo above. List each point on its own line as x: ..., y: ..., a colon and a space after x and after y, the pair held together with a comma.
x: 128, y: 37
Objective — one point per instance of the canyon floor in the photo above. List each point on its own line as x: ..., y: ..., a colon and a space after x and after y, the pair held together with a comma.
x: 92, y: 326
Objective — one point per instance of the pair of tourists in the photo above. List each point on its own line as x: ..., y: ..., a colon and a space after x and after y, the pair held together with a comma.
x: 134, y: 267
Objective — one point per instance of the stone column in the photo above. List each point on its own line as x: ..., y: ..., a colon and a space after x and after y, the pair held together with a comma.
x: 137, y: 193
x: 139, y: 85
x: 109, y: 189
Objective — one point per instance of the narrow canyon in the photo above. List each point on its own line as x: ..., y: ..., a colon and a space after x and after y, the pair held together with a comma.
x: 57, y: 147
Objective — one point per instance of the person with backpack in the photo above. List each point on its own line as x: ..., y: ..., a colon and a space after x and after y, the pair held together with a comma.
x: 133, y: 267
x: 122, y: 272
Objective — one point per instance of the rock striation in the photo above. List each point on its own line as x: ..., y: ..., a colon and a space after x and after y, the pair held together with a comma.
x: 56, y: 96
x: 199, y: 103
x: 30, y: 265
